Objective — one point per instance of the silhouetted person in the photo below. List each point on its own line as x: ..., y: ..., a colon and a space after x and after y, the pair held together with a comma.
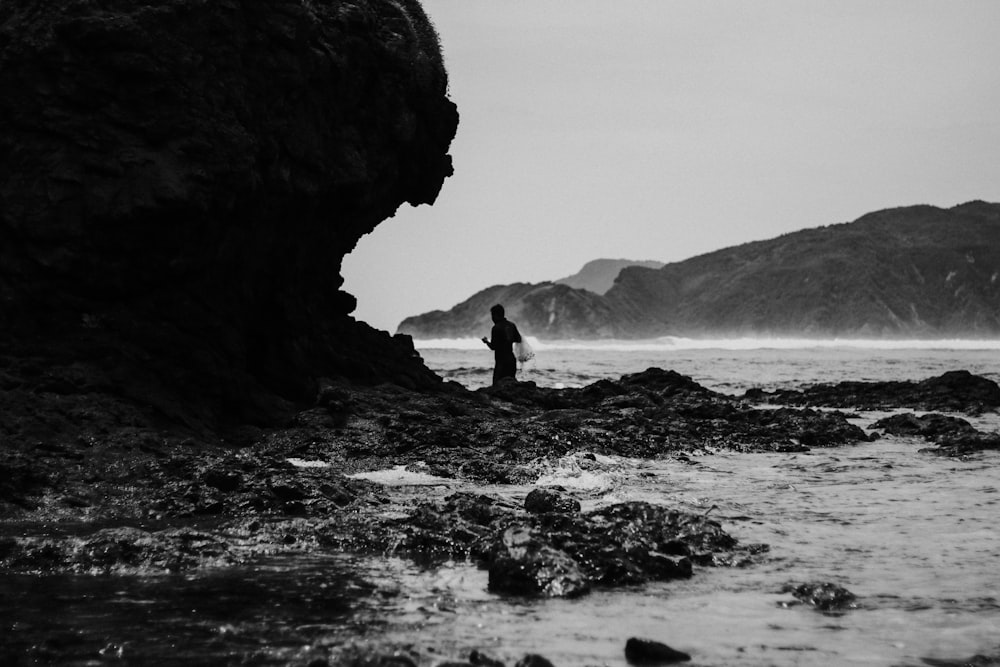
x: 502, y: 338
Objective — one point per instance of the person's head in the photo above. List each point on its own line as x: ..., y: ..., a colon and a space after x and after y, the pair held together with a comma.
x: 496, y: 312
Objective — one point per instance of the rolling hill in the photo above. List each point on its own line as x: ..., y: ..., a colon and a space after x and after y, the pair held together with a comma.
x: 915, y: 271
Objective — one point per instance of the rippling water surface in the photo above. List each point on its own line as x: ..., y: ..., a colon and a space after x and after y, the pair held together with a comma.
x: 728, y: 366
x: 916, y: 537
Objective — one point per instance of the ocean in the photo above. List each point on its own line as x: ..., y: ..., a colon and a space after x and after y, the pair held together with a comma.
x: 729, y: 366
x: 914, y: 536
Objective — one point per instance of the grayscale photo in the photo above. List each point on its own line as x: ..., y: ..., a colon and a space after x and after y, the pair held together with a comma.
x: 500, y: 333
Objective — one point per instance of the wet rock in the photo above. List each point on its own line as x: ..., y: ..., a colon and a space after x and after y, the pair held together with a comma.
x: 120, y: 550
x: 533, y: 660
x: 965, y: 444
x: 978, y: 660
x: 477, y: 657
x: 927, y: 426
x: 521, y: 562
x: 649, y: 652
x: 824, y: 596
x: 954, y: 391
x: 550, y: 500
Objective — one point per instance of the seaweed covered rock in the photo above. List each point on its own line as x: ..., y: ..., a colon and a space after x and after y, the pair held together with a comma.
x: 179, y: 182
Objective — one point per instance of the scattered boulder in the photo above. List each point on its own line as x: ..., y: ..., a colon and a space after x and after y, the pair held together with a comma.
x: 977, y: 660
x: 119, y: 551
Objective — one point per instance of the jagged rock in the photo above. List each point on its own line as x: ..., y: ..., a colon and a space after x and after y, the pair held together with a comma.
x: 927, y: 426
x: 553, y: 553
x: 477, y: 657
x: 179, y: 182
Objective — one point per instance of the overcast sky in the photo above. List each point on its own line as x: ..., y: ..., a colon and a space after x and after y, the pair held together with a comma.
x: 659, y: 129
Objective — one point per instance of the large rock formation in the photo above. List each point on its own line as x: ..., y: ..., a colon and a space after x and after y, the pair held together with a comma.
x: 915, y: 271
x: 180, y: 180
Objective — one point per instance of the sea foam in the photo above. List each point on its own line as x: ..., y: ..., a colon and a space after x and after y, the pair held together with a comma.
x: 668, y: 343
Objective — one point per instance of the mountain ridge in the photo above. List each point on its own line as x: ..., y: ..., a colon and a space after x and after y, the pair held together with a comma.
x: 599, y: 275
x: 913, y: 271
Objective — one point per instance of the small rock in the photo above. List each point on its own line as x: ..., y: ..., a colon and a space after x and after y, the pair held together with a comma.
x: 534, y: 660
x: 477, y: 658
x: 822, y: 595
x: 539, y: 501
x: 649, y: 652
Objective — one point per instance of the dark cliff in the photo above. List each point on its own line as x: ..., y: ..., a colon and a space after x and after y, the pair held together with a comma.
x: 913, y: 271
x: 180, y: 180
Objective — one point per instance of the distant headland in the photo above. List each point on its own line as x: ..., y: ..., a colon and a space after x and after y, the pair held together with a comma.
x: 915, y: 271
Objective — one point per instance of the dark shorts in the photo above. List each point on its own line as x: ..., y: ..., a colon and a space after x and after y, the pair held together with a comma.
x: 506, y: 367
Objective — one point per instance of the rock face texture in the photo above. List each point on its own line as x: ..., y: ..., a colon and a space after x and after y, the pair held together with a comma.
x: 180, y: 180
x: 915, y: 271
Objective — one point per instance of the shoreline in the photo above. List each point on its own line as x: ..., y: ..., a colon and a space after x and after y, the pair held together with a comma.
x: 167, y: 504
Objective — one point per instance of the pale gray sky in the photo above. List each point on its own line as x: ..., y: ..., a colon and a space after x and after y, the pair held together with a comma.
x: 661, y: 129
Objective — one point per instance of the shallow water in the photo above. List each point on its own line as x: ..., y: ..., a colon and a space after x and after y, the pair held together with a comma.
x: 725, y: 366
x: 916, y: 537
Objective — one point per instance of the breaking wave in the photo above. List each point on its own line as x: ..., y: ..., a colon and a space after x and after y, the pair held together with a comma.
x: 670, y: 343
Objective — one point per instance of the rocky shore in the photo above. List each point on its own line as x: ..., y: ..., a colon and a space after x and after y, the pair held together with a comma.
x: 183, y: 387
x: 162, y: 500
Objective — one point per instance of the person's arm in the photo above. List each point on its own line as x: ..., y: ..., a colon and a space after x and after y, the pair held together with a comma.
x: 488, y: 343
